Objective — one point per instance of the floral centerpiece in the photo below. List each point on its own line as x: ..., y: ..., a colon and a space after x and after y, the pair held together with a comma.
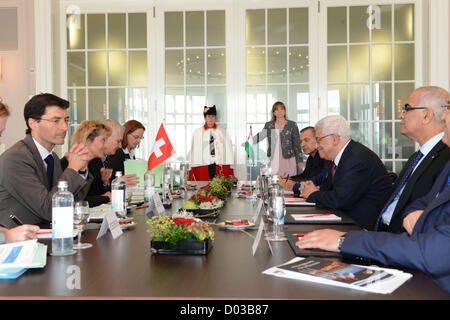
x: 204, y: 199
x: 180, y: 233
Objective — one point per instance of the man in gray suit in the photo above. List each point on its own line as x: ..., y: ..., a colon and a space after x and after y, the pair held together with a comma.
x: 30, y: 168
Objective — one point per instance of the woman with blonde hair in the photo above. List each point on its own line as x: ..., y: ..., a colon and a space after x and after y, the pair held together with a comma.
x: 26, y: 231
x: 93, y: 134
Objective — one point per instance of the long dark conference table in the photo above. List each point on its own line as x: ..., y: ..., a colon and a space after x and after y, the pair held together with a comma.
x: 125, y: 268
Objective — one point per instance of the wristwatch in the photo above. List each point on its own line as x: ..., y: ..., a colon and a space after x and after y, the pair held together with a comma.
x: 341, y: 241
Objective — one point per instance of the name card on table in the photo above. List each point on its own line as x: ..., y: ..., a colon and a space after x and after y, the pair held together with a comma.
x: 158, y: 204
x: 110, y: 222
x: 258, y: 236
x: 258, y: 210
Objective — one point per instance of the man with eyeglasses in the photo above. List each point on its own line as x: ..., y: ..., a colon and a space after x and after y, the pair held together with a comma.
x: 425, y: 243
x: 357, y: 182
x: 31, y: 169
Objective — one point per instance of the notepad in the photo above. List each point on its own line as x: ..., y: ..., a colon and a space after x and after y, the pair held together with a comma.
x: 137, y: 167
x: 297, y: 202
x: 316, y: 217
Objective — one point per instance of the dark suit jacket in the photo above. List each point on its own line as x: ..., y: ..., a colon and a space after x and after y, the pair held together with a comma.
x: 428, y: 247
x: 420, y: 182
x: 314, y: 166
x: 24, y: 186
x: 94, y: 194
x: 116, y: 161
x: 361, y: 185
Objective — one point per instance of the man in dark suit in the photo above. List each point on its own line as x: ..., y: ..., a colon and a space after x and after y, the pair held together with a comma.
x: 30, y: 168
x: 315, y: 165
x: 420, y: 121
x: 425, y: 245
x: 357, y: 183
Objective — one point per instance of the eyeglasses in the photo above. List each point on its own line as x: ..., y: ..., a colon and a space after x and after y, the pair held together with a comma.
x: 57, y: 121
x: 136, y: 137
x: 320, y: 138
x: 444, y: 106
x: 408, y: 107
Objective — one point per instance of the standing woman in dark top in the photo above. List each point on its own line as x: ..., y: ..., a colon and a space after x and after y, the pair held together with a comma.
x: 284, y: 149
x: 132, y: 136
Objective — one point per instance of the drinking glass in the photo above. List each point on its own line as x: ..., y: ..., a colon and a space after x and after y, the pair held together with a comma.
x: 80, y: 217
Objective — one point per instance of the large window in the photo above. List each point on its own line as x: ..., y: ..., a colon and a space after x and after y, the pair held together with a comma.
x: 370, y: 74
x: 107, y: 68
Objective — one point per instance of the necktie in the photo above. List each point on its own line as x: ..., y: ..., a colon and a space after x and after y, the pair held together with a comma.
x: 402, y: 183
x: 333, y: 171
x: 105, y: 164
x: 50, y: 164
x: 211, y: 145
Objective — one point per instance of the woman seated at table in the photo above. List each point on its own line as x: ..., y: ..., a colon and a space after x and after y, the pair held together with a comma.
x: 26, y: 231
x: 211, y: 150
x: 284, y: 150
x: 132, y: 136
x: 93, y: 134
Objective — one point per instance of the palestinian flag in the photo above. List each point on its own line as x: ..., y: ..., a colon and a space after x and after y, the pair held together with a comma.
x: 249, y: 146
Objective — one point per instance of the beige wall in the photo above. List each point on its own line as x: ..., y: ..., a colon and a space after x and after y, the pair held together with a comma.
x: 18, y: 81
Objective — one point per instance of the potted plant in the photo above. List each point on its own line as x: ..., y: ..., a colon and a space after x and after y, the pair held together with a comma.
x: 180, y: 234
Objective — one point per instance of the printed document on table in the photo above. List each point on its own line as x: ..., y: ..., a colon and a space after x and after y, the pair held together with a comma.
x: 18, y: 254
x: 316, y: 217
x: 336, y: 273
x: 297, y: 202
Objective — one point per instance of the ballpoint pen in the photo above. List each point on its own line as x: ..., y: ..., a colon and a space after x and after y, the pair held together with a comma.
x: 16, y: 220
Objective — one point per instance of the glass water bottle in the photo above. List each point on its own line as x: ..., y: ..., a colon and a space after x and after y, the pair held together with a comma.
x: 62, y: 221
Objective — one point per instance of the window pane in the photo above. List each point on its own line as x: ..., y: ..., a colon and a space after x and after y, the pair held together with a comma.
x: 404, y: 22
x: 337, y: 64
x: 256, y: 104
x: 117, y: 104
x: 117, y: 68
x: 404, y: 61
x: 405, y: 146
x: 97, y: 104
x: 298, y: 64
x: 255, y: 27
x: 276, y: 26
x: 137, y: 30
x: 137, y: 108
x: 361, y: 132
x: 358, y: 27
x: 384, y: 33
x: 195, y: 102
x: 173, y: 29
x: 216, y: 66
x: 195, y: 29
x: 96, y: 31
x: 298, y: 25
x: 277, y: 65
x: 274, y: 94
x: 359, y: 63
x: 195, y: 67
x: 116, y: 31
x: 75, y: 31
x: 298, y: 110
x: 177, y: 137
x: 382, y: 101
x: 359, y: 102
x: 218, y: 96
x: 402, y: 93
x: 382, y: 139
x: 337, y: 100
x: 215, y: 31
x: 337, y: 24
x: 174, y: 103
x: 97, y: 68
x: 381, y: 62
x: 174, y: 67
x: 256, y: 61
x: 138, y: 68
x: 77, y: 110
x: 76, y: 69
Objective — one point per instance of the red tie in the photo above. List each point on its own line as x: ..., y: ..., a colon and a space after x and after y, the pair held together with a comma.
x: 105, y: 164
x: 333, y: 171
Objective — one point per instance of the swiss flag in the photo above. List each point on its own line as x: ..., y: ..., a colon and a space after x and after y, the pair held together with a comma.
x: 162, y: 149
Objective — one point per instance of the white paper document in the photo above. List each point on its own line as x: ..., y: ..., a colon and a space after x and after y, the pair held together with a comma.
x: 18, y: 254
x: 336, y: 273
x: 316, y: 217
x: 297, y: 202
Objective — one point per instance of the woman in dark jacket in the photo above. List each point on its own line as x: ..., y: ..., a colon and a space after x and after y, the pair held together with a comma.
x: 284, y: 150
